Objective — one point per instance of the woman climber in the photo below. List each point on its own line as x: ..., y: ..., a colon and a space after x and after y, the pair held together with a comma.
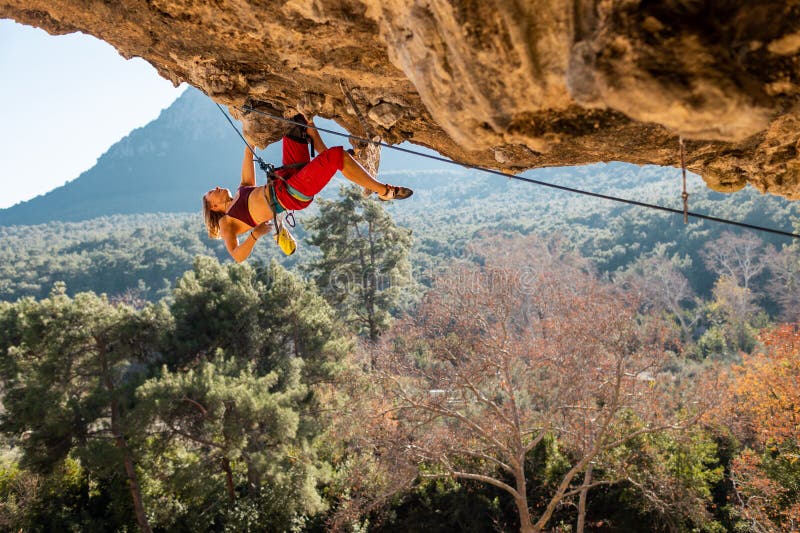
x: 250, y: 208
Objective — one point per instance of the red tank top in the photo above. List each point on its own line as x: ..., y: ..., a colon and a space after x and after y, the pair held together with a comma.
x: 239, y: 209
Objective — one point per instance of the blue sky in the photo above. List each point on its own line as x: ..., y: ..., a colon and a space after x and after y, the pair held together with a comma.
x: 64, y: 100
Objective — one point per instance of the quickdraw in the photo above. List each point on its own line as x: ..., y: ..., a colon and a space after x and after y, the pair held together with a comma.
x: 684, y: 195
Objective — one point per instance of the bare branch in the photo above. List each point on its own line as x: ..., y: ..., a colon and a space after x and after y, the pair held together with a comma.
x: 477, y: 477
x: 587, y: 487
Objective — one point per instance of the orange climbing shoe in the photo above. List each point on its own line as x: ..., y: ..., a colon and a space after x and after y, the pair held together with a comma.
x: 394, y: 192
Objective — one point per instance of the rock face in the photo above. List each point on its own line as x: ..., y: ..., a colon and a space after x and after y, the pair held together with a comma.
x: 509, y: 84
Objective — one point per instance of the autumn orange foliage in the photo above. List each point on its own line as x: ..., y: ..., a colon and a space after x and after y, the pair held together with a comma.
x: 766, y: 392
x: 767, y: 386
x: 522, y: 346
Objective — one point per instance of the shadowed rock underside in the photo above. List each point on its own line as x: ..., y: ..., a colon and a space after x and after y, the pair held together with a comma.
x: 508, y: 84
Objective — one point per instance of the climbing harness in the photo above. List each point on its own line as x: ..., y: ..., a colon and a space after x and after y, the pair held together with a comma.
x: 286, y: 242
x: 537, y: 182
x: 684, y: 195
x: 283, y: 237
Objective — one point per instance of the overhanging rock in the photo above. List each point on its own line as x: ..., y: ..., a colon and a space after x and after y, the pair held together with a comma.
x: 508, y: 84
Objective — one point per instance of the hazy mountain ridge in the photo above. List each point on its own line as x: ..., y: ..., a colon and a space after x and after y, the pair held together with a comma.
x: 163, y: 166
x: 167, y: 165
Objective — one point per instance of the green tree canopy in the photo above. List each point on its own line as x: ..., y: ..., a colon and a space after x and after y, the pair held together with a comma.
x: 70, y: 367
x: 364, y: 261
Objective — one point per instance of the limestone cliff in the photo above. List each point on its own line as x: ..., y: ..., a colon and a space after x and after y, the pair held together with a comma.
x: 510, y: 84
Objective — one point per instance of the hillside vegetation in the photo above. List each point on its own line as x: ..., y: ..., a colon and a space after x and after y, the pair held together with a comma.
x: 148, y: 253
x: 487, y: 355
x: 516, y: 380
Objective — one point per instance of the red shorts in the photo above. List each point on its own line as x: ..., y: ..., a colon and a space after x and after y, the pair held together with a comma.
x: 308, y: 180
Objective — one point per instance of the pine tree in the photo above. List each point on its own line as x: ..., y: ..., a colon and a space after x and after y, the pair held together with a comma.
x: 266, y: 316
x: 364, y: 262
x: 70, y: 366
x: 239, y: 401
x: 245, y: 428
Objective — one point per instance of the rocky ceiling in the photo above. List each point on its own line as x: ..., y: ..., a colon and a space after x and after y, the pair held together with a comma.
x: 509, y: 84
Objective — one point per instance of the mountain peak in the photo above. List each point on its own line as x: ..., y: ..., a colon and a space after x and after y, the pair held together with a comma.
x: 165, y: 166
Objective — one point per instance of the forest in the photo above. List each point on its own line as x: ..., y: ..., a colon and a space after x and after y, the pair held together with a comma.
x: 490, y: 356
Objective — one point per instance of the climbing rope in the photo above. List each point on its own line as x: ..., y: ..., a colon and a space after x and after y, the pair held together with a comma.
x: 261, y: 163
x: 537, y: 182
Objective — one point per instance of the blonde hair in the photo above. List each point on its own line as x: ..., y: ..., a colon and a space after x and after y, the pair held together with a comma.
x: 211, y: 218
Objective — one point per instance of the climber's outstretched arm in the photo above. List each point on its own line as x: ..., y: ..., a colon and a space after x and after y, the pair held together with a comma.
x: 248, y: 169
